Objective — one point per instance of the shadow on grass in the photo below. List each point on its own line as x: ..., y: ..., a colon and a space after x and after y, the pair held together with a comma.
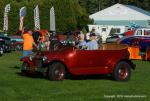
x: 30, y: 75
x: 15, y: 67
x: 91, y: 77
x: 68, y: 77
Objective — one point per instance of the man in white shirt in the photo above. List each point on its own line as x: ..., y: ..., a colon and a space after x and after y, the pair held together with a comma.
x: 92, y: 44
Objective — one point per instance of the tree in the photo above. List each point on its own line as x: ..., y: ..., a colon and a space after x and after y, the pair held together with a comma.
x: 67, y: 13
x: 93, y: 6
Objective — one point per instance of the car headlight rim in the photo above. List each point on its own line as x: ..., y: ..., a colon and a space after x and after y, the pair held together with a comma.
x: 44, y: 58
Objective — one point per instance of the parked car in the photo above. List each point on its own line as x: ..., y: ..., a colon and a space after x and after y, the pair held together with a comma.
x: 16, y: 43
x: 145, y: 49
x: 142, y: 32
x: 130, y: 41
x: 141, y: 42
x: 112, y: 39
x: 1, y: 50
x: 109, y: 59
x: 5, y: 44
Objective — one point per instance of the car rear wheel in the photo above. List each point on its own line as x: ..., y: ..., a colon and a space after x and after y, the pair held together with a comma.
x: 56, y: 71
x: 122, y: 71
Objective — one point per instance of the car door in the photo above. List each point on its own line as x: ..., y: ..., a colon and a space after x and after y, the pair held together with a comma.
x: 89, y: 61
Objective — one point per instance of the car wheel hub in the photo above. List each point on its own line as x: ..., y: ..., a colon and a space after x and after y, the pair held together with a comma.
x: 123, y: 73
x: 59, y: 74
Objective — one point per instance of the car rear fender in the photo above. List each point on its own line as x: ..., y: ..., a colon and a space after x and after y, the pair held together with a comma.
x: 133, y: 66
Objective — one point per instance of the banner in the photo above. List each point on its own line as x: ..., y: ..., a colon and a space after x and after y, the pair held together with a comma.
x: 22, y: 14
x: 36, y: 18
x: 7, y: 9
x: 52, y: 20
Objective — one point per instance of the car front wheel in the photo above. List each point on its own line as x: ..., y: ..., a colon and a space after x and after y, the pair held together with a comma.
x: 56, y: 71
x: 122, y: 71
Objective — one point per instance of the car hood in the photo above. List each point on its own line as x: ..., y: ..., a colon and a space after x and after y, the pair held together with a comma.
x: 59, y: 53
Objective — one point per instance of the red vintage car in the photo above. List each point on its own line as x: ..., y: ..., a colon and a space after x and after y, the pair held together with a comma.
x: 108, y: 59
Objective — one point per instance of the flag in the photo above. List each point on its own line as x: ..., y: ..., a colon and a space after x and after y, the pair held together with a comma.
x: 22, y: 14
x: 5, y: 26
x: 36, y: 18
x: 7, y: 9
x: 52, y: 20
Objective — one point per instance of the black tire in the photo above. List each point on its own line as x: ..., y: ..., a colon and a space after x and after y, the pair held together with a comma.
x: 122, y: 71
x: 56, y: 72
x: 23, y: 68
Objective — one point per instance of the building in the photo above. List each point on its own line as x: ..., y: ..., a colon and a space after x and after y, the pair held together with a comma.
x: 119, y: 17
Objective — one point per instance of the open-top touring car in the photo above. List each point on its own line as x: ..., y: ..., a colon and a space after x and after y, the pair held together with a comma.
x: 108, y: 59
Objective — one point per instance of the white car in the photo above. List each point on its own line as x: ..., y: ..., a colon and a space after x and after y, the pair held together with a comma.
x: 142, y: 32
x: 1, y: 51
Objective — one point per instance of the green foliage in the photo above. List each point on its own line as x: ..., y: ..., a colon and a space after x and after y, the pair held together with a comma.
x: 84, y: 30
x: 93, y: 6
x: 67, y: 13
x: 112, y: 31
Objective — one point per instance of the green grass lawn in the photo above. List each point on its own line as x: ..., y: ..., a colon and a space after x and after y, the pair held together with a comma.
x: 14, y: 87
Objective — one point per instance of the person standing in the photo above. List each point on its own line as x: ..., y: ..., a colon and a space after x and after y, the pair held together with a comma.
x: 36, y: 36
x: 47, y: 40
x: 28, y: 42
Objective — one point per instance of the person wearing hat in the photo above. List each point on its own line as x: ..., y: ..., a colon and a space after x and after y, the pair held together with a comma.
x: 92, y: 44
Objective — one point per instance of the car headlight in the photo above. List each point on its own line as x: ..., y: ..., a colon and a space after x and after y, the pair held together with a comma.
x: 30, y: 58
x: 44, y: 58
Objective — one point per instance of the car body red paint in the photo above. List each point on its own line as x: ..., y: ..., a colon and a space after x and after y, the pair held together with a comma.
x: 82, y: 62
